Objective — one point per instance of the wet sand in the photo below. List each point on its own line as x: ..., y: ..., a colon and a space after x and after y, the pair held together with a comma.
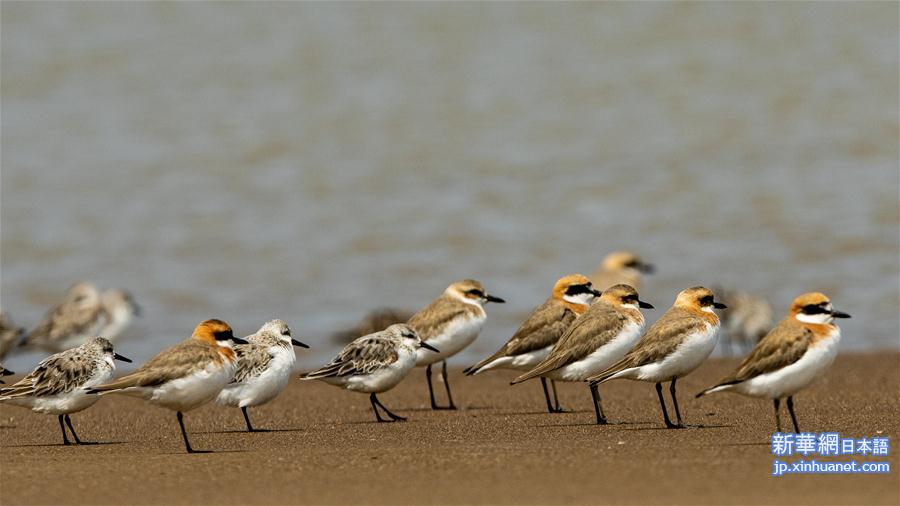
x: 501, y: 447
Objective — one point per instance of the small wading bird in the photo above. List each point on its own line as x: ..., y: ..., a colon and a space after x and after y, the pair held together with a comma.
x: 790, y: 357
x: 596, y: 340
x: 450, y: 323
x: 374, y: 364
x: 621, y: 267
x: 572, y: 296
x: 672, y: 347
x: 264, y: 365
x: 186, y: 375
x: 60, y: 383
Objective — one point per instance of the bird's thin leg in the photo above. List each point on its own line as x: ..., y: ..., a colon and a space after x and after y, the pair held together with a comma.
x: 247, y: 419
x: 396, y: 418
x: 187, y: 444
x: 662, y: 405
x: 71, y: 428
x: 63, y: 428
x: 598, y: 408
x: 375, y: 404
x: 777, y: 414
x: 675, y: 401
x: 546, y: 395
x: 556, y: 407
x: 447, y: 385
x: 790, y: 404
x: 430, y: 387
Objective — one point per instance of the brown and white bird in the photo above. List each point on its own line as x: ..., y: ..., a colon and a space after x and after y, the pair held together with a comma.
x: 672, y: 347
x: 790, y: 357
x: 621, y: 267
x: 374, y: 364
x: 60, y: 384
x: 185, y: 376
x: 595, y: 341
x: 450, y: 323
x: 10, y: 334
x: 572, y: 296
x: 79, y: 316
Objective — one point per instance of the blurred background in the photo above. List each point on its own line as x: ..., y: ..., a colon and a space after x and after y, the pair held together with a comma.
x: 314, y: 161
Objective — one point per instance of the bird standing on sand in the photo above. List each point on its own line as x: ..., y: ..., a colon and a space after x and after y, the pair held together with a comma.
x: 264, y: 365
x: 572, y: 296
x: 186, y: 375
x: 672, y: 347
x: 374, y: 364
x: 450, y: 323
x: 596, y: 340
x: 621, y: 267
x: 790, y: 357
x: 59, y: 384
x: 68, y: 324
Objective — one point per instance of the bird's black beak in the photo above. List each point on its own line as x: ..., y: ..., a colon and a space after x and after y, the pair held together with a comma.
x: 238, y: 340
x: 6, y: 372
x: 839, y: 314
x: 719, y: 305
x: 646, y: 268
x: 120, y: 357
x: 596, y: 293
x: 298, y: 343
x: 645, y: 305
x: 491, y: 298
x: 427, y: 346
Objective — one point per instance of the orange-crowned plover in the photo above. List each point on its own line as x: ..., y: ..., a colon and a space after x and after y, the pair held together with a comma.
x: 374, y: 364
x: 672, y: 347
x: 790, y: 357
x: 450, y: 323
x: 595, y: 341
x: 59, y: 384
x: 186, y: 375
x: 263, y: 368
x: 572, y: 296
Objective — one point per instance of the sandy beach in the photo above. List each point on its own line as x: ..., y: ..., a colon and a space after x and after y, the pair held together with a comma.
x: 500, y: 448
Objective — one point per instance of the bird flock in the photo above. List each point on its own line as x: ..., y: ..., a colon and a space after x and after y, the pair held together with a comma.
x: 589, y: 330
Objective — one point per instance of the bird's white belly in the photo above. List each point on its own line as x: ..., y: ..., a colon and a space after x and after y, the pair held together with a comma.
x: 600, y: 359
x: 70, y: 402
x: 791, y: 379
x: 687, y: 357
x: 458, y: 334
x: 194, y: 390
x: 380, y: 380
x: 259, y: 389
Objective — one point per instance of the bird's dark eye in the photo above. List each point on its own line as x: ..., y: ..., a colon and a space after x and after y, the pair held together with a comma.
x: 631, y: 263
x: 224, y: 335
x: 287, y: 332
x: 706, y: 300
x: 814, y: 309
x: 576, y: 289
x: 476, y: 292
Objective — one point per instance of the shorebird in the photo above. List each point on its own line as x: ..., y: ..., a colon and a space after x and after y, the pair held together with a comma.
x: 186, y: 375
x: 672, y: 347
x: 79, y: 316
x: 60, y: 384
x: 4, y: 372
x: 450, y: 323
x: 790, y: 357
x: 375, y: 321
x: 264, y: 365
x: 10, y: 334
x: 374, y: 364
x: 621, y: 267
x: 747, y: 319
x: 596, y: 340
x: 119, y: 307
x: 572, y: 296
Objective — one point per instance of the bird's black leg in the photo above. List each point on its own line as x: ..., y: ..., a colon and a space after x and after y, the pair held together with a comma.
x: 598, y: 408
x: 375, y: 403
x: 675, y: 401
x: 790, y: 404
x: 556, y: 407
x: 430, y: 387
x: 71, y: 428
x: 662, y: 404
x: 247, y: 419
x: 547, y: 395
x: 63, y: 428
x: 778, y: 414
x: 395, y: 418
x: 447, y: 386
x: 187, y: 444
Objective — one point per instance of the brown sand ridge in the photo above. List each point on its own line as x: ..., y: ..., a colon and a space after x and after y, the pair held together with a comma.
x: 501, y: 447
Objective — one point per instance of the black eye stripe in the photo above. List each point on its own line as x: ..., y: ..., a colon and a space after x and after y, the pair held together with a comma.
x: 814, y: 309
x: 706, y: 300
x: 475, y: 292
x: 223, y: 335
x: 577, y: 289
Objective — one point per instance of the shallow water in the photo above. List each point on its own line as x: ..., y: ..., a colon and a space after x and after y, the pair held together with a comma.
x: 313, y: 161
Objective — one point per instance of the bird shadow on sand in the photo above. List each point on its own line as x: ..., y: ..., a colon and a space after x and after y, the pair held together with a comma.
x: 204, y: 452
x: 762, y: 443
x: 686, y: 427
x: 245, y: 431
x: 543, y: 412
x: 591, y: 424
x: 60, y: 445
